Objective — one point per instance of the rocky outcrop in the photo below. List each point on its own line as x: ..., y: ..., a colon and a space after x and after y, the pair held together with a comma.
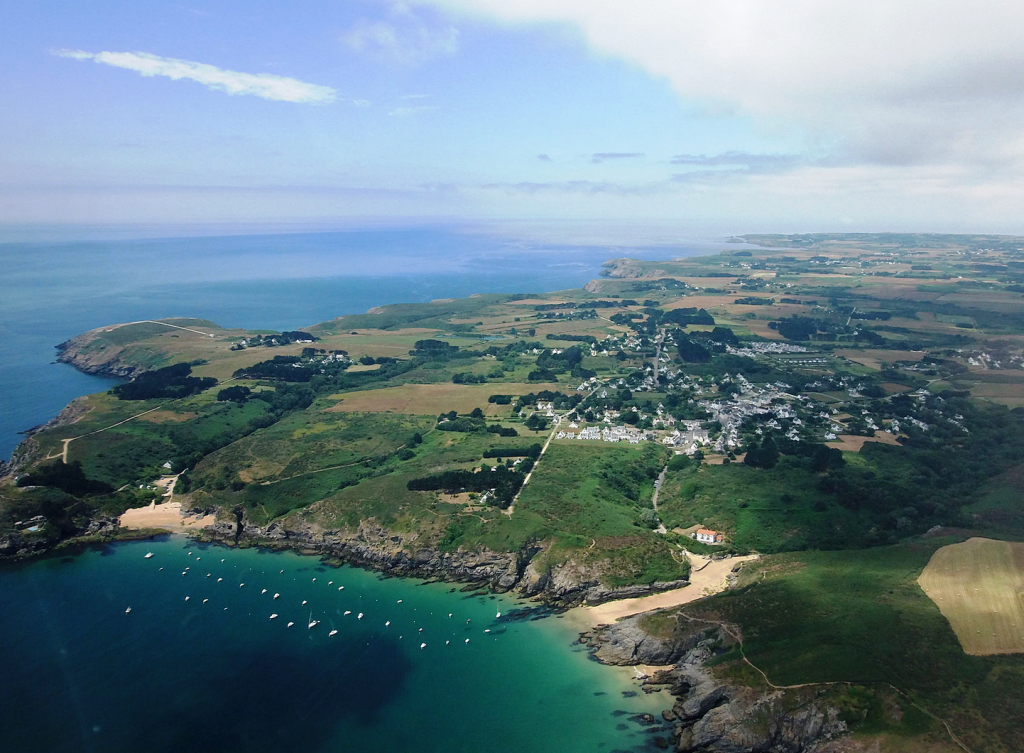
x: 373, y: 546
x: 81, y: 353
x: 628, y: 269
x: 714, y: 715
x: 627, y: 643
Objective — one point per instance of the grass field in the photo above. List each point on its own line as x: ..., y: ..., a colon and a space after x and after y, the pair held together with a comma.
x: 861, y: 617
x: 433, y: 399
x: 978, y: 586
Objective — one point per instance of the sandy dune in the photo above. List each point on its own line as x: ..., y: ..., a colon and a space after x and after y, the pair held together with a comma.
x: 707, y: 577
x: 166, y: 515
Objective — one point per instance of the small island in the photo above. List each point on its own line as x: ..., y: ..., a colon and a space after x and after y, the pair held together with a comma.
x: 813, y: 418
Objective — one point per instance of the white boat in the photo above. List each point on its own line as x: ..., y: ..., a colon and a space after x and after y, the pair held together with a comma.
x: 273, y: 616
x: 263, y: 591
x: 423, y: 645
x: 149, y: 555
x: 290, y: 624
x: 347, y: 613
x: 277, y: 596
x: 359, y: 616
x: 497, y: 616
x: 312, y: 623
x: 128, y: 610
x: 387, y: 623
x: 333, y: 632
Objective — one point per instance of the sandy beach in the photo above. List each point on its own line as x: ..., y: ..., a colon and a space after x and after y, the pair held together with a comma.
x: 166, y: 515
x: 707, y: 577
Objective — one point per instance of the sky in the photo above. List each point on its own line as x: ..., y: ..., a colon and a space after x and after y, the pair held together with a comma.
x: 570, y: 119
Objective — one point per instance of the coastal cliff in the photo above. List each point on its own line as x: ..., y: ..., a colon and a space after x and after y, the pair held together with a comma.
x: 628, y: 269
x: 711, y: 713
x: 562, y: 584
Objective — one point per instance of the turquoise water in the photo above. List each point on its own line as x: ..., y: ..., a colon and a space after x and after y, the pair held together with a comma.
x: 80, y: 674
x: 50, y: 292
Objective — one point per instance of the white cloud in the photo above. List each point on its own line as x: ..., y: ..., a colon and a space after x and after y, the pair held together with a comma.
x: 405, y: 38
x: 882, y: 82
x: 407, y: 112
x: 265, y: 85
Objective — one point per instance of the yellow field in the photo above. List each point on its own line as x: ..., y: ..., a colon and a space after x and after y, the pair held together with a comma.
x: 432, y: 399
x: 979, y: 587
x: 855, y: 443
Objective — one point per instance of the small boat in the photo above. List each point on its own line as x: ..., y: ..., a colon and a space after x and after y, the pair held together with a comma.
x: 312, y: 622
x: 341, y: 588
x: 187, y: 598
x: 149, y: 556
x: 447, y: 642
x: 333, y: 632
x: 314, y: 580
x: 128, y: 610
x: 487, y: 630
x: 273, y: 616
x: 359, y: 616
x: 330, y: 583
x: 467, y: 640
x: 497, y: 616
x: 263, y: 591
x: 289, y: 624
x: 399, y: 601
x: 205, y: 600
x: 449, y: 614
x: 277, y: 596
x: 423, y: 645
x: 347, y: 612
x: 303, y: 602
x: 219, y: 580
x: 240, y: 585
x: 386, y: 624
x: 209, y: 574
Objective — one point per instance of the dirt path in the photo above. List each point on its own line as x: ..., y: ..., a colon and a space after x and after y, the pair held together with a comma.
x: 512, y: 507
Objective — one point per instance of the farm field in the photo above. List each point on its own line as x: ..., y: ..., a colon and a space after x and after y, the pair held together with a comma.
x: 978, y: 586
x: 433, y: 399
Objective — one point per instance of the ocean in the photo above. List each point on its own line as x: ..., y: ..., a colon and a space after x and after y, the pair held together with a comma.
x: 80, y: 674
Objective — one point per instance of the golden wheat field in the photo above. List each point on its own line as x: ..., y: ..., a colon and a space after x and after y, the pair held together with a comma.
x: 978, y: 586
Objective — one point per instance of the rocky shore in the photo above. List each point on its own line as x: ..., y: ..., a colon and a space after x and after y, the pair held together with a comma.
x: 565, y: 584
x: 710, y: 713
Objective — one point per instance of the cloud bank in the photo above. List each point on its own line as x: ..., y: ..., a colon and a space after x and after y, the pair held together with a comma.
x: 264, y: 85
x: 915, y: 82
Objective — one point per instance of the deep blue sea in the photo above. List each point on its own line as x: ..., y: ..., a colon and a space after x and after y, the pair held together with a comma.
x: 79, y: 674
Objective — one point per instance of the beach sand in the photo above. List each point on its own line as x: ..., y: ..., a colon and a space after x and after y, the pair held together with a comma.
x: 166, y: 515
x: 707, y: 577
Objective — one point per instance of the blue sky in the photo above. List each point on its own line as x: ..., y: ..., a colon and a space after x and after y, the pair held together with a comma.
x: 591, y: 117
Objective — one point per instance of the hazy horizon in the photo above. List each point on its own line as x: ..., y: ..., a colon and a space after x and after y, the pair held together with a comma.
x: 555, y: 120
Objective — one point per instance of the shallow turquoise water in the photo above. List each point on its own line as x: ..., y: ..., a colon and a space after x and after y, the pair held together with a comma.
x: 81, y: 675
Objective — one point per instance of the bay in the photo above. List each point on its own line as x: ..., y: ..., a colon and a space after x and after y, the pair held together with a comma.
x: 214, y: 673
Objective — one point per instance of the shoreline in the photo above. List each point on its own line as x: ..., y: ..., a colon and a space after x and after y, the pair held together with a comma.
x: 707, y: 577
